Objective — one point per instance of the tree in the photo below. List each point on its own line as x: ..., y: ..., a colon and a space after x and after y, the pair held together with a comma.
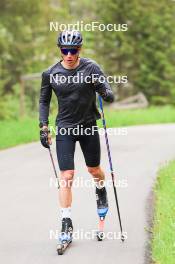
x: 26, y: 44
x: 145, y: 53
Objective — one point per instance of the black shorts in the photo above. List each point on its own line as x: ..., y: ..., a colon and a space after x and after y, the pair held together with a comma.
x: 90, y: 146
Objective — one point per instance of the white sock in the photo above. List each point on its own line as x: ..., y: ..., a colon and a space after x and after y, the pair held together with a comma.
x: 66, y: 212
x: 100, y: 184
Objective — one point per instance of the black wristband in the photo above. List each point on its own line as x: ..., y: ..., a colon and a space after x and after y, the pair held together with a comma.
x: 41, y: 124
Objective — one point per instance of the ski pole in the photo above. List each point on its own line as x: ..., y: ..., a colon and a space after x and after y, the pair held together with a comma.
x: 54, y: 166
x: 110, y: 163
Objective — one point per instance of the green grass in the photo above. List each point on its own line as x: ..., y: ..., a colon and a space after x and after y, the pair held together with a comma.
x: 151, y: 115
x: 163, y: 243
x: 15, y: 132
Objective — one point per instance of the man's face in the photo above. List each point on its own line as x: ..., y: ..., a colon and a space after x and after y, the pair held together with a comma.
x: 70, y: 54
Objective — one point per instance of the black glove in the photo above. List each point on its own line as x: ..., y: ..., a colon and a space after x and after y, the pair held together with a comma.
x: 44, y: 138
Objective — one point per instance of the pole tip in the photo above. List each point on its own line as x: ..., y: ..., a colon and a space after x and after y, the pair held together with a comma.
x: 122, y: 238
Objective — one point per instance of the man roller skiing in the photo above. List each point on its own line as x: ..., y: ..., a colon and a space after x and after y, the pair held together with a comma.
x: 77, y: 107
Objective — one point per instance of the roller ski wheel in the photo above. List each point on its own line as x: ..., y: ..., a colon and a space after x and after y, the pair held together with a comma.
x: 62, y: 247
x: 100, y: 236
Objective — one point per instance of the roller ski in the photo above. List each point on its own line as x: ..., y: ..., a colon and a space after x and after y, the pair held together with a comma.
x: 102, y: 209
x: 65, y: 238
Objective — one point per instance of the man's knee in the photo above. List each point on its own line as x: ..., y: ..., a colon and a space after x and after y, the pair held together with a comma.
x: 67, y: 178
x: 94, y: 170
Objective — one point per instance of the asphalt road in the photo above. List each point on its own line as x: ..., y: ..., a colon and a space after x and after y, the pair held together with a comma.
x: 29, y: 218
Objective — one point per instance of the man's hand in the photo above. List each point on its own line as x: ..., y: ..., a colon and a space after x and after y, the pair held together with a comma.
x: 45, y: 137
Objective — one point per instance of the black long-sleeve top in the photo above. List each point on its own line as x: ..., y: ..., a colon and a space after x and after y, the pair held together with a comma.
x: 76, y: 98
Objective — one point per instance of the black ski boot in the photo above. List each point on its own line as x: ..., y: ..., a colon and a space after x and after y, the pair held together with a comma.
x: 102, y: 202
x: 65, y: 237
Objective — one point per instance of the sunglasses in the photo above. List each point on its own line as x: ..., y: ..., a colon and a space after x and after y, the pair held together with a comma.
x: 65, y: 51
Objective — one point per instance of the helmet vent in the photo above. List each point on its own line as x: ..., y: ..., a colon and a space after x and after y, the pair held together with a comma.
x: 70, y: 38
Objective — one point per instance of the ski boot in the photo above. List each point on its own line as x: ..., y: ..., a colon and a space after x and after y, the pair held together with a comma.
x: 102, y: 209
x: 65, y: 237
